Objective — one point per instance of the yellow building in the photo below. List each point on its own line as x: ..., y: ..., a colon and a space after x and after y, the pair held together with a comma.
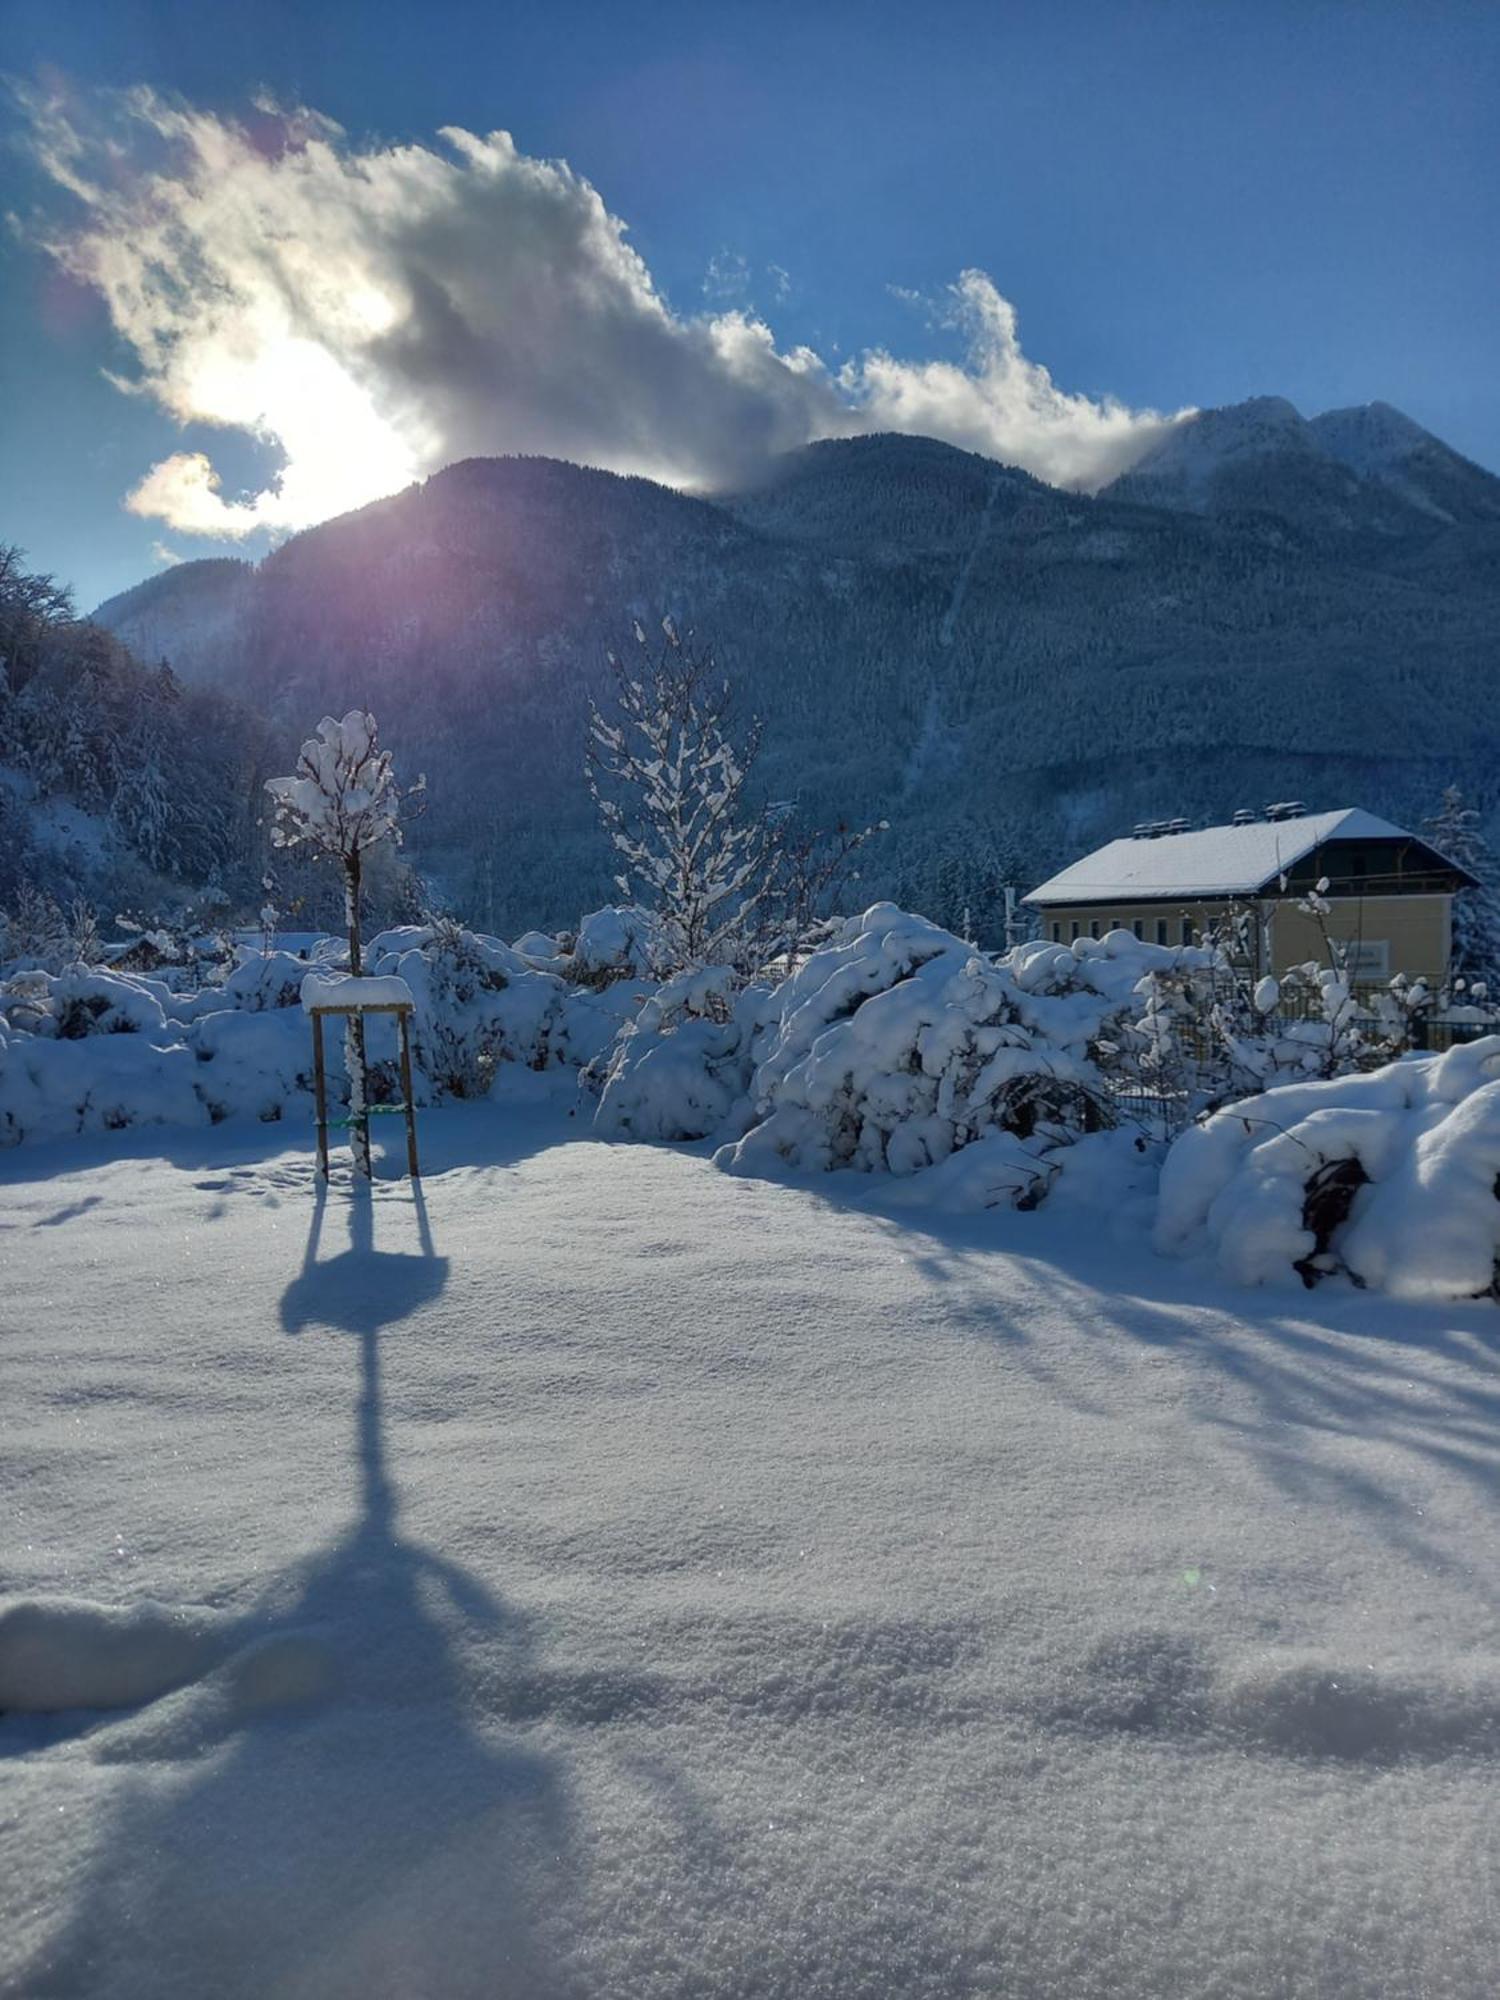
x: 1389, y: 893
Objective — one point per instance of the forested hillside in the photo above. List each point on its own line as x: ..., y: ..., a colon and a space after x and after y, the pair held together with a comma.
x: 1005, y: 671
x: 117, y: 782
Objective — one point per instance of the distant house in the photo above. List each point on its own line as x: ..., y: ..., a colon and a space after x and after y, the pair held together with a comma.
x: 1391, y: 893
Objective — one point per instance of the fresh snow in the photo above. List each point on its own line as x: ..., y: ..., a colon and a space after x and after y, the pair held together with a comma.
x: 321, y: 989
x: 587, y: 1573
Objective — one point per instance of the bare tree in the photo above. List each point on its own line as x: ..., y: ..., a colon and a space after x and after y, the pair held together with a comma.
x: 730, y: 882
x: 670, y: 790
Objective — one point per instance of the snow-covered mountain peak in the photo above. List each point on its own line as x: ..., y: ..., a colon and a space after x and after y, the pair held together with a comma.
x: 1194, y: 451
x: 1369, y: 436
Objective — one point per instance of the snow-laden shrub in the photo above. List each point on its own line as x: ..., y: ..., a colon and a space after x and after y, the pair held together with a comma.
x: 84, y: 1001
x: 590, y: 1021
x: 898, y: 1043
x: 681, y: 1068
x: 1389, y: 1175
x: 623, y: 942
x: 997, y: 1170
x: 244, y: 1050
x: 542, y: 951
x: 257, y: 1064
x: 477, y: 1003
x: 888, y: 1049
x: 264, y: 980
x: 26, y: 1002
x: 54, y: 1089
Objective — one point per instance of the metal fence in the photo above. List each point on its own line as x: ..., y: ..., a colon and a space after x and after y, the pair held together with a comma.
x: 1431, y: 1031
x: 1163, y: 1114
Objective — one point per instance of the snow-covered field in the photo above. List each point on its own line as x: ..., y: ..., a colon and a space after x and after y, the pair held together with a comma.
x: 602, y: 1575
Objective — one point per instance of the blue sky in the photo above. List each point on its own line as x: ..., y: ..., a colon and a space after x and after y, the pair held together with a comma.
x: 1186, y: 204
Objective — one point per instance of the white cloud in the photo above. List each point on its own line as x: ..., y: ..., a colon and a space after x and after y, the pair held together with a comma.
x: 375, y: 313
x: 727, y: 276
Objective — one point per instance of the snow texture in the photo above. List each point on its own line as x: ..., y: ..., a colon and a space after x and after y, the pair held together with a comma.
x: 591, y: 1574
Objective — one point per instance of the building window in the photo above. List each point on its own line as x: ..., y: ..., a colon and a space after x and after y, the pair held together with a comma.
x: 1057, y: 933
x: 1187, y: 930
x: 1161, y: 930
x: 1094, y: 928
x: 1139, y: 928
x: 1074, y: 933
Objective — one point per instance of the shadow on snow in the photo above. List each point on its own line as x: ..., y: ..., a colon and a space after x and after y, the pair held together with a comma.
x: 323, y: 1815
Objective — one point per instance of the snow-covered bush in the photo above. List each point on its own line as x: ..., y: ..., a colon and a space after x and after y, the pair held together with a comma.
x: 84, y: 1001
x: 86, y: 1050
x: 264, y: 981
x: 889, y: 1049
x: 477, y: 1003
x: 253, y: 1064
x: 1389, y: 1175
x: 898, y: 1044
x: 53, y: 1088
x: 681, y: 1068
x: 618, y: 942
x: 542, y: 949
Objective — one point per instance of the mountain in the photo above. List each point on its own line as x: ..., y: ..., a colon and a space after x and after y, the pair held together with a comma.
x: 1363, y: 471
x: 1265, y: 607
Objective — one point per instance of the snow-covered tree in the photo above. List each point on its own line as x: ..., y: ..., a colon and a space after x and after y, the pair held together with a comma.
x: 728, y: 882
x: 1456, y: 831
x: 142, y: 807
x: 340, y: 802
x: 669, y: 786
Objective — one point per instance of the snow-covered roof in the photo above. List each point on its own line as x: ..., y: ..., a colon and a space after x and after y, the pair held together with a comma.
x: 1213, y: 861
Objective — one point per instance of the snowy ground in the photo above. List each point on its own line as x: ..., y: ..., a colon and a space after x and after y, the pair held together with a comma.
x: 601, y: 1575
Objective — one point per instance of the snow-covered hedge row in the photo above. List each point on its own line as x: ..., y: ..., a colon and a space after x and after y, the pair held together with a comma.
x: 889, y: 1049
x: 87, y: 1050
x: 1390, y: 1176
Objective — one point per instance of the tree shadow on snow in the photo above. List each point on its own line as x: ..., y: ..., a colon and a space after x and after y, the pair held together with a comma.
x: 362, y: 1289
x: 329, y: 1810
x: 479, y: 1135
x: 1311, y: 1373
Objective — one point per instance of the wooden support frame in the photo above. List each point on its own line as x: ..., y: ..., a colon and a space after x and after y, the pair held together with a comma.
x: 402, y: 1009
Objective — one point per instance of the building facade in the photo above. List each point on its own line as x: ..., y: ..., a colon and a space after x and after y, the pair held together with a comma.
x: 1389, y: 892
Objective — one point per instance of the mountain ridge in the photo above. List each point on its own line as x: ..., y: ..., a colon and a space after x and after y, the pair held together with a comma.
x: 1005, y: 670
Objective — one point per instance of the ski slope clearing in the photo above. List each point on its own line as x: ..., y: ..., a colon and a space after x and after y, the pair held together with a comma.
x: 594, y: 1574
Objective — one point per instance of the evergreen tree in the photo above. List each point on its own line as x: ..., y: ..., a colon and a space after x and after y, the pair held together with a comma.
x: 1455, y: 830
